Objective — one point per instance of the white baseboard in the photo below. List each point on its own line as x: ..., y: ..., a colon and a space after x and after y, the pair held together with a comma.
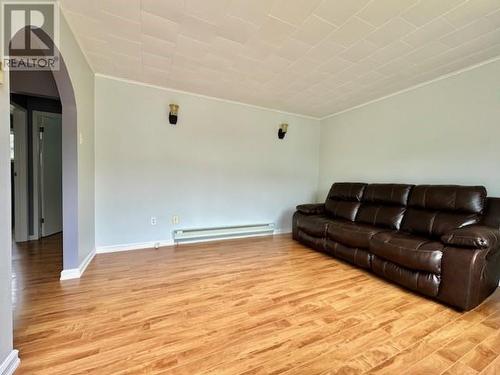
x: 10, y: 364
x: 150, y: 245
x: 132, y: 246
x: 76, y: 273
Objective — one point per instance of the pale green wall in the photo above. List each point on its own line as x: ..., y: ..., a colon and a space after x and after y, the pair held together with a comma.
x: 444, y: 132
x: 83, y: 80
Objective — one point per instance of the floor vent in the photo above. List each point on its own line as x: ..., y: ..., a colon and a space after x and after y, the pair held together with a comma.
x: 188, y: 235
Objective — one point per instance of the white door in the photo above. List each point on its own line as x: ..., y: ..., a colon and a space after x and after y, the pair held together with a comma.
x: 20, y: 130
x: 49, y: 126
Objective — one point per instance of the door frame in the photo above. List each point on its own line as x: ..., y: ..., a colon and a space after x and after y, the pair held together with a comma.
x: 37, y: 178
x: 21, y: 232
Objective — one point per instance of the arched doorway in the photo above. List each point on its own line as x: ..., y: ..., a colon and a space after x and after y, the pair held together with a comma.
x: 66, y: 94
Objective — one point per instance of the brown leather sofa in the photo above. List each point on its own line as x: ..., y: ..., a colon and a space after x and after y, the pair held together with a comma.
x: 440, y: 241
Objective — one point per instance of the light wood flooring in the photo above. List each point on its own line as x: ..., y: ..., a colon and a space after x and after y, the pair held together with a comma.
x: 254, y: 306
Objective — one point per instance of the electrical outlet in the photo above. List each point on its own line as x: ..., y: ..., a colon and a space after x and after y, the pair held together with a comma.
x: 157, y: 245
x: 175, y: 220
x: 153, y: 220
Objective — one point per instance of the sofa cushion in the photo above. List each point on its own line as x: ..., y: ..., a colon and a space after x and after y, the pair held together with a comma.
x: 353, y: 234
x: 381, y: 215
x: 466, y: 199
x: 343, y: 200
x: 359, y: 257
x: 435, y: 210
x: 314, y: 225
x: 384, y: 205
x: 434, y: 224
x: 409, y: 251
x: 395, y: 194
x: 422, y: 282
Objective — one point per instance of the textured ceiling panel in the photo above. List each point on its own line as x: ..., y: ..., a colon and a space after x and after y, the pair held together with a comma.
x: 313, y: 57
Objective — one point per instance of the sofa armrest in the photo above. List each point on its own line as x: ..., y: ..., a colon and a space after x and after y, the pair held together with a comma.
x: 311, y: 209
x: 473, y: 236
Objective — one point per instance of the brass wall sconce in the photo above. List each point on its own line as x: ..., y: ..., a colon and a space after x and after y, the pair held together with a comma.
x: 282, y: 131
x: 173, y: 114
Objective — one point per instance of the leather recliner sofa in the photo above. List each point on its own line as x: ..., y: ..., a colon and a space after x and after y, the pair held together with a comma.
x: 440, y: 241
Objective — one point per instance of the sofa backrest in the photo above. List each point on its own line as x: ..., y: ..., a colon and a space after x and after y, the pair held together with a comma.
x: 434, y: 210
x: 384, y: 205
x: 344, y: 199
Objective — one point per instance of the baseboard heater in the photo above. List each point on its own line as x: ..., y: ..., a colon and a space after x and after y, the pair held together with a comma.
x: 188, y: 235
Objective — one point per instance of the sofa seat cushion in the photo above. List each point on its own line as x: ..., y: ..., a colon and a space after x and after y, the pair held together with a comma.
x: 359, y: 257
x: 314, y: 225
x: 422, y: 282
x: 353, y: 234
x: 409, y: 251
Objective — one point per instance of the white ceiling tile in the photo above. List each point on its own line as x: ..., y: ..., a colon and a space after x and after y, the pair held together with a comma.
x: 339, y: 11
x: 426, y: 52
x: 156, y: 62
x: 276, y: 63
x: 253, y: 11
x: 371, y: 77
x: 471, y: 11
x: 429, y: 32
x: 191, y: 48
x: 391, y: 52
x: 225, y: 47
x: 380, y: 11
x: 88, y: 8
x: 293, y: 12
x: 469, y: 32
x: 210, y: 11
x: 393, y: 30
x: 159, y: 27
x: 274, y: 31
x: 293, y: 49
x: 313, y: 30
x: 121, y: 27
x: 130, y: 12
x: 256, y: 49
x: 358, y: 51
x: 94, y: 45
x: 352, y: 31
x: 426, y: 10
x: 235, y: 29
x: 301, y: 66
x: 124, y: 46
x: 157, y: 46
x: 325, y: 50
x: 334, y: 66
x: 84, y: 25
x: 156, y: 77
x: 197, y: 29
x: 172, y: 10
x: 396, y: 65
x: 214, y: 61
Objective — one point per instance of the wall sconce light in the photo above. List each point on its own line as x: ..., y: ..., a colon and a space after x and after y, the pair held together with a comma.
x: 282, y: 131
x: 174, y: 111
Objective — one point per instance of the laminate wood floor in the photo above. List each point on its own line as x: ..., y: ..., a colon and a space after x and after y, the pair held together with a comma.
x: 254, y: 306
